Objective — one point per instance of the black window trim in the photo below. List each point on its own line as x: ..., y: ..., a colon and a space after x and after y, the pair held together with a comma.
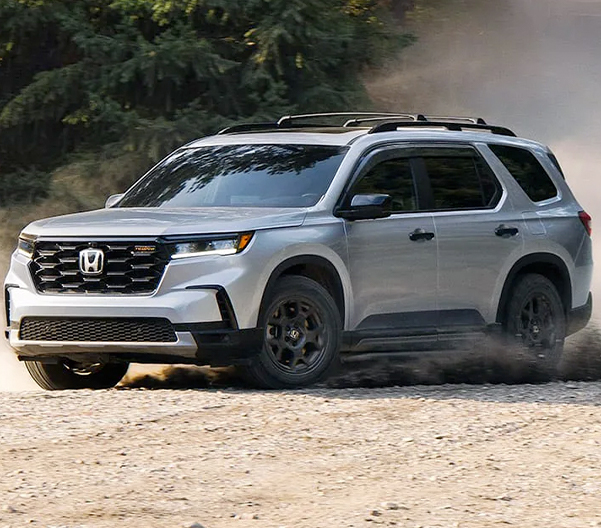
x: 421, y: 179
x: 364, y: 163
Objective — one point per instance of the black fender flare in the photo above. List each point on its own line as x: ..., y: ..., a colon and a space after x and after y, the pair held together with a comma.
x: 308, y: 260
x: 530, y: 263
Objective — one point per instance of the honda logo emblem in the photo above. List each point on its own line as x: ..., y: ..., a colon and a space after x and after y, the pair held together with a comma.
x: 91, y: 261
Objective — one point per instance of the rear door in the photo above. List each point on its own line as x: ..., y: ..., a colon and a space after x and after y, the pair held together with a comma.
x: 479, y: 235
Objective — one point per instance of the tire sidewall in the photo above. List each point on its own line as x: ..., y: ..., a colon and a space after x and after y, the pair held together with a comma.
x: 528, y: 286
x: 266, y: 369
x: 56, y: 376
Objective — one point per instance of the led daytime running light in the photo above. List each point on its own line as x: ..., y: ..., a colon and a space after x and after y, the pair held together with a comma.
x: 208, y: 247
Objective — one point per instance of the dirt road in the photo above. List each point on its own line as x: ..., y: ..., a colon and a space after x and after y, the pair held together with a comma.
x: 470, y: 456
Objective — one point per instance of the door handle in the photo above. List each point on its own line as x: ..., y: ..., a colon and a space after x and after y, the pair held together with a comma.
x: 506, y: 231
x: 420, y: 234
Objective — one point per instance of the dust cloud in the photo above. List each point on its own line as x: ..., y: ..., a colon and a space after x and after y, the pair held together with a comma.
x: 13, y: 376
x: 532, y: 65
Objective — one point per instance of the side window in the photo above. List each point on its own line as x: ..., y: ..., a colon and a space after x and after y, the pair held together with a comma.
x: 460, y: 180
x: 527, y: 171
x: 393, y: 177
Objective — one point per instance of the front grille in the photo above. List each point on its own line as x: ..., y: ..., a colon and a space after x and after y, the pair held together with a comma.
x: 131, y: 330
x: 130, y: 267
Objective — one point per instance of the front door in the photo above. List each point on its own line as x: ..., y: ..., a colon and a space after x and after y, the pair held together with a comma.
x: 392, y: 260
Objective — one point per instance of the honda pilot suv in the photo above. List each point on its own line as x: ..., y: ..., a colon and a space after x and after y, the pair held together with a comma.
x: 280, y: 247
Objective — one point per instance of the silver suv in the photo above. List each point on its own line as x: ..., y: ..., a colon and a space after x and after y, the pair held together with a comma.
x: 280, y: 246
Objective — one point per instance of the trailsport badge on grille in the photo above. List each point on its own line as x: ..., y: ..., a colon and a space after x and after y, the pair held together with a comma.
x: 91, y: 261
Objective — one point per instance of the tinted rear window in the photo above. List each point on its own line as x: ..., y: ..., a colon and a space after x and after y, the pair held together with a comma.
x: 527, y: 171
x: 461, y: 180
x: 239, y: 175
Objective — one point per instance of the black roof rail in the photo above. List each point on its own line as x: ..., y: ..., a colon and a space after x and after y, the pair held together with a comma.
x: 390, y: 126
x: 456, y: 119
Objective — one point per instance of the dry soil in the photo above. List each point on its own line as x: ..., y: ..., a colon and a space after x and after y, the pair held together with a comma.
x: 451, y: 455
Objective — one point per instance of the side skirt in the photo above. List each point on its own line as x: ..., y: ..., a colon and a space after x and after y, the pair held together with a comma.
x: 417, y: 341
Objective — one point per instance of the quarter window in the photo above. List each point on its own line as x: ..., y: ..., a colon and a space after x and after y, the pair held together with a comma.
x: 527, y: 171
x: 393, y: 177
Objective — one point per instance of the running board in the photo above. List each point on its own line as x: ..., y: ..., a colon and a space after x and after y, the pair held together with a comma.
x: 415, y: 342
x: 404, y: 355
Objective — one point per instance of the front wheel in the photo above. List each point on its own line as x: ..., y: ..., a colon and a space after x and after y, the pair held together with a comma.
x: 302, y: 334
x: 66, y: 375
x: 536, y: 320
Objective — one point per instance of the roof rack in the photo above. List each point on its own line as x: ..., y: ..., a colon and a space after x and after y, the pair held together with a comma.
x: 258, y: 127
x: 390, y: 126
x: 248, y: 127
x: 360, y: 120
x: 287, y: 120
x: 385, y: 122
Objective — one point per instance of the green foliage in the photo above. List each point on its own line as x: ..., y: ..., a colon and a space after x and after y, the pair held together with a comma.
x: 23, y: 186
x: 152, y: 74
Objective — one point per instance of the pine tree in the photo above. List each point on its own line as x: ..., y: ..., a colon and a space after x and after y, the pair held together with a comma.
x: 151, y: 74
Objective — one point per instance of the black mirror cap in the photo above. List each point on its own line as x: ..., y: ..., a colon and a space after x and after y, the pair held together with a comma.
x: 367, y: 207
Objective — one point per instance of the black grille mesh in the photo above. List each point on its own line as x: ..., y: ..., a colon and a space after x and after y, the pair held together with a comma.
x: 129, y: 267
x: 135, y: 330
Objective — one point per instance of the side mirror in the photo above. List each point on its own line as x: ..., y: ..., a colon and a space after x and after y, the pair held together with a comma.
x: 368, y: 207
x: 112, y: 200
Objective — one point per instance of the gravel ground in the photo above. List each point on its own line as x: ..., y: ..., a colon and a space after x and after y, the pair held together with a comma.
x: 450, y: 455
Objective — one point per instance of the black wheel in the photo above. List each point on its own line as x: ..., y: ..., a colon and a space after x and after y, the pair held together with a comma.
x: 302, y: 334
x: 69, y: 375
x: 536, y: 320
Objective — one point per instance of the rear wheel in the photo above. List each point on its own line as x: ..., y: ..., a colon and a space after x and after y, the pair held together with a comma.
x: 70, y: 375
x: 302, y: 334
x: 536, y: 320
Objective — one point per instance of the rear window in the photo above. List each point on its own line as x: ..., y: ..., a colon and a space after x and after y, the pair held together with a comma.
x: 460, y: 180
x: 527, y: 171
x: 239, y: 175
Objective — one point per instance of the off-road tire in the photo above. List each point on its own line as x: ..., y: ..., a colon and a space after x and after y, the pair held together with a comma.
x: 314, y: 354
x: 58, y: 376
x: 535, y: 321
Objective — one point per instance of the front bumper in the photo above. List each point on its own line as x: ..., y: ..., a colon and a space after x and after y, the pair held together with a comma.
x: 216, y: 348
x: 207, y: 331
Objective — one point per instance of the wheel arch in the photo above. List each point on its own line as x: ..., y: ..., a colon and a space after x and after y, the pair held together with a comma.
x: 547, y: 264
x: 314, y: 267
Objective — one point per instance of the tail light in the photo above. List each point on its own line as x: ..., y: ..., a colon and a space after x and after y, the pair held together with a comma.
x: 587, y: 221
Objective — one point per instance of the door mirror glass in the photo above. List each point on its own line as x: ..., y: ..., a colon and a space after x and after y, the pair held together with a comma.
x: 368, y: 206
x: 113, y: 200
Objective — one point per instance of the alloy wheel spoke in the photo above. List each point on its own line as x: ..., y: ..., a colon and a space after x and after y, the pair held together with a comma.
x: 295, y: 334
x: 313, y: 336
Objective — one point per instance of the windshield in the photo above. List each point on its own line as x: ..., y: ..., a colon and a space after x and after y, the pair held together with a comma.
x: 239, y: 175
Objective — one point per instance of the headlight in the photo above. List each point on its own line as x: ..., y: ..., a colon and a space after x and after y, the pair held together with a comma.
x: 26, y: 244
x: 217, y: 245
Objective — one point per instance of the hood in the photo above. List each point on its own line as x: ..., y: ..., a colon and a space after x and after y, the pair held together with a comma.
x: 132, y: 222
